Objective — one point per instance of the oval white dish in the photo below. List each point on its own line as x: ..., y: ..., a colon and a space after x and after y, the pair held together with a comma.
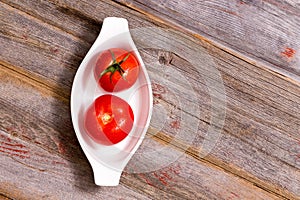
x: 108, y: 162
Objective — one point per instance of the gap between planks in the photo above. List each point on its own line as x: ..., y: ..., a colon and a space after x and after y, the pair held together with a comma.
x: 4, y: 197
x: 44, y: 86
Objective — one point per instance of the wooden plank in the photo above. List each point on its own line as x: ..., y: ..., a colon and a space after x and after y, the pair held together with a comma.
x: 267, y: 31
x: 244, y: 130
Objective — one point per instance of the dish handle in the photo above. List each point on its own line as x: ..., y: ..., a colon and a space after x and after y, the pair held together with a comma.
x: 105, y: 176
x: 111, y: 27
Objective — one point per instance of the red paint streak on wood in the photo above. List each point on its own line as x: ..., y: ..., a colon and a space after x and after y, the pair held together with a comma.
x: 25, y: 37
x: 61, y: 148
x: 14, y: 154
x: 124, y: 174
x: 233, y: 196
x: 141, y: 175
x: 14, y: 150
x: 158, y: 90
x: 288, y: 53
x: 54, y: 50
x: 14, y: 145
x: 167, y: 175
x: 175, y: 124
x: 177, y: 169
x: 5, y: 138
x: 157, y: 95
x: 58, y: 163
x: 229, y: 12
x: 161, y: 178
x: 146, y: 179
x: 155, y: 102
x: 225, y: 10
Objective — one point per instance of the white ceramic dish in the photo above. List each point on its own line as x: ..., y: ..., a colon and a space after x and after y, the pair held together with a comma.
x: 108, y: 162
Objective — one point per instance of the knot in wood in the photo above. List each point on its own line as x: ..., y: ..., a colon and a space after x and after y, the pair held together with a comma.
x: 165, y: 58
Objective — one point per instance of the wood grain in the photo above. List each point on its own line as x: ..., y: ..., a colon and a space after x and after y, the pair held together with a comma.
x: 266, y: 31
x: 44, y: 162
x: 58, y: 163
x: 261, y: 124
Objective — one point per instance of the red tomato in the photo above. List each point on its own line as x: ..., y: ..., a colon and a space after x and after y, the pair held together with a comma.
x: 116, y: 69
x: 109, y: 120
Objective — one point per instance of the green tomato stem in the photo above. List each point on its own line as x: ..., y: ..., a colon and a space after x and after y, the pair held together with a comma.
x: 115, y: 66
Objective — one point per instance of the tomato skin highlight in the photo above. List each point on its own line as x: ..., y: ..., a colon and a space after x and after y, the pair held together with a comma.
x: 109, y: 120
x: 116, y: 81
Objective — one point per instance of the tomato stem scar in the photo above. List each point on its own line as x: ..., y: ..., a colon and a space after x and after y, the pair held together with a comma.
x: 106, y: 118
x: 115, y: 66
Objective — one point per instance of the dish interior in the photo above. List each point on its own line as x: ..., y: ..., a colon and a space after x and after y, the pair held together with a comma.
x: 85, y: 90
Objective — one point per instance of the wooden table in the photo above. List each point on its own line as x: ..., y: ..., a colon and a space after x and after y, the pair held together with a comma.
x: 246, y: 144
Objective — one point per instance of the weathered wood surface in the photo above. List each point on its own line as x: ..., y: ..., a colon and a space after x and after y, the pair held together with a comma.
x: 57, y: 161
x: 257, y: 155
x: 264, y: 30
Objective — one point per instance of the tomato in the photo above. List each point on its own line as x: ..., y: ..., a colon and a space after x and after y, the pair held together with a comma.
x: 116, y: 69
x: 109, y: 120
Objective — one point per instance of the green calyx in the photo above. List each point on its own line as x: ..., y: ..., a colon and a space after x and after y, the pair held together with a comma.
x: 115, y: 66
